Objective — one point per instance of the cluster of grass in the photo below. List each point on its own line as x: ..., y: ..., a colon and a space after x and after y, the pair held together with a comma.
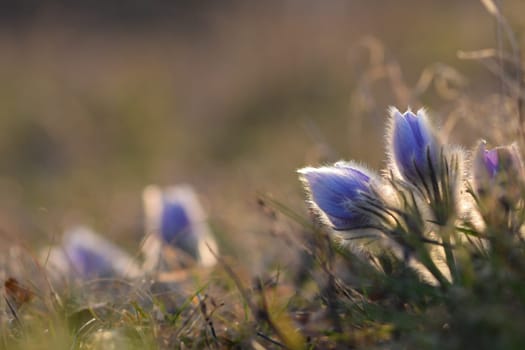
x: 332, y: 299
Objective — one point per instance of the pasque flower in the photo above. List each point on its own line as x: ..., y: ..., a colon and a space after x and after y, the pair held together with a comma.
x: 85, y: 258
x: 85, y: 254
x: 337, y: 191
x: 176, y: 219
x: 498, y: 173
x: 414, y: 150
x: 175, y: 224
x: 417, y: 157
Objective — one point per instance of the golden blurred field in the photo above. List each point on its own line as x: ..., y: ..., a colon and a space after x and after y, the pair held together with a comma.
x: 231, y: 98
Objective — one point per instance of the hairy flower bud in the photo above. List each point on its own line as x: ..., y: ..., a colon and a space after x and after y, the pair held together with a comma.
x: 414, y: 149
x: 335, y: 191
x: 176, y: 217
x: 498, y: 173
x: 85, y: 254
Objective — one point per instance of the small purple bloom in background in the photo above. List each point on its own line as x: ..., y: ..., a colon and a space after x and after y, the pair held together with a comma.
x: 490, y: 160
x: 85, y: 260
x: 412, y: 143
x: 175, y: 224
x: 175, y: 218
x: 85, y: 254
x: 498, y: 172
x: 334, y: 192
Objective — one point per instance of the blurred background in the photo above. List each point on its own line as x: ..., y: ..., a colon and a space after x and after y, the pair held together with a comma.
x: 101, y: 98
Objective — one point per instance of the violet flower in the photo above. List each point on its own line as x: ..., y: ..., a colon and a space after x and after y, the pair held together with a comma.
x: 414, y: 149
x: 175, y: 218
x: 498, y: 173
x: 85, y: 255
x: 337, y: 191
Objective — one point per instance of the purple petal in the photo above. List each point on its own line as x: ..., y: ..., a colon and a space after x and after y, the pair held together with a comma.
x: 174, y: 222
x: 87, y: 262
x: 491, y: 162
x: 412, y: 143
x: 335, y: 190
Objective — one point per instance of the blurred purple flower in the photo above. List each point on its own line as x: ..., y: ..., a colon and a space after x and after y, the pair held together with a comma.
x: 174, y: 223
x: 85, y: 254
x: 412, y: 143
x: 176, y: 216
x: 498, y: 171
x: 87, y: 261
x: 490, y: 160
x: 336, y: 190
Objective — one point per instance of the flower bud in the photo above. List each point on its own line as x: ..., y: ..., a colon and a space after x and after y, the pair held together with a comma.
x: 177, y: 218
x: 414, y: 148
x: 85, y: 254
x: 335, y: 191
x: 498, y: 173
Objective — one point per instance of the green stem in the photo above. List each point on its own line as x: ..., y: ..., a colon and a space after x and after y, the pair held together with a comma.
x: 427, y: 261
x: 449, y: 255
